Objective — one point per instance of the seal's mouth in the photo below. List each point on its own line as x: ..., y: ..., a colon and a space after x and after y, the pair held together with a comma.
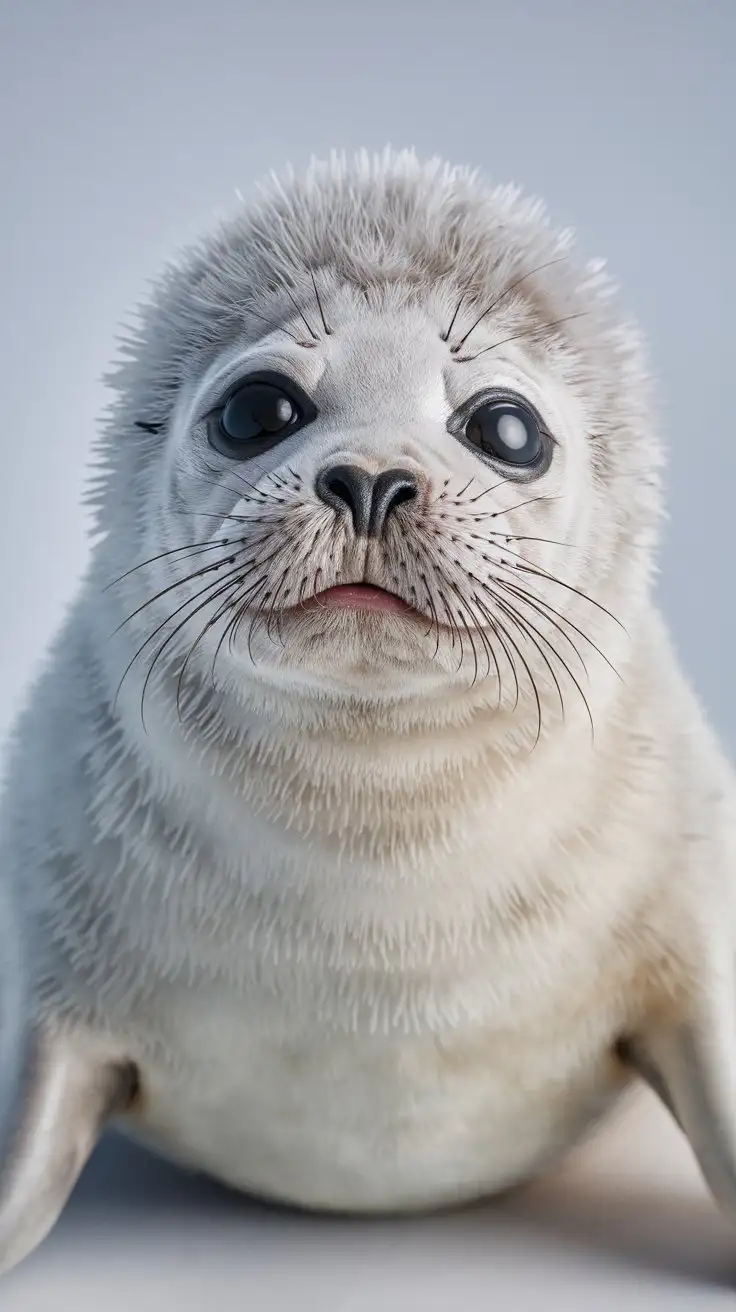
x: 357, y: 596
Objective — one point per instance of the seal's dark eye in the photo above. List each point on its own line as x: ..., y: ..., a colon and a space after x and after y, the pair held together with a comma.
x: 507, y: 431
x: 260, y: 412
x: 255, y: 410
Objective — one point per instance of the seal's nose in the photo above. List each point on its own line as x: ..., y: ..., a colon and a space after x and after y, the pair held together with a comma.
x: 370, y: 498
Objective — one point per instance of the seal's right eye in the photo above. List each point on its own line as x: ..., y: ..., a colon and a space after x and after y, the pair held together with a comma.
x: 261, y: 411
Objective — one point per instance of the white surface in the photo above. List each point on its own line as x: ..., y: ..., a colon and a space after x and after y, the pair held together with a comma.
x: 626, y: 1222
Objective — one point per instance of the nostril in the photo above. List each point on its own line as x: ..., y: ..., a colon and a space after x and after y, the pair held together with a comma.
x: 391, y: 489
x: 370, y: 498
x: 405, y: 493
x: 347, y: 487
x: 340, y: 489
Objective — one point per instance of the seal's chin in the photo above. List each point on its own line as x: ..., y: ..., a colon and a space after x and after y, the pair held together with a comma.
x: 357, y: 597
x: 354, y: 639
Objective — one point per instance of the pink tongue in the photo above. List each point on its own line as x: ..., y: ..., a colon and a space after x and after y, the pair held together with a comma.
x: 361, y: 596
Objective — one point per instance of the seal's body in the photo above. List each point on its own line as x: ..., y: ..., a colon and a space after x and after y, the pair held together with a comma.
x: 370, y: 836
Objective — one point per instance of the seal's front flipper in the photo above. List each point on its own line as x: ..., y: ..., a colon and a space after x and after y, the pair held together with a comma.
x: 690, y: 1061
x: 67, y: 1094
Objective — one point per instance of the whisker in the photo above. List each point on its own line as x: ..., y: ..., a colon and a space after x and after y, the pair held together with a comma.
x: 526, y: 627
x: 486, y: 639
x: 235, y: 491
x: 499, y: 631
x: 526, y: 568
x: 518, y: 281
x: 301, y: 314
x: 230, y: 600
x: 267, y: 496
x: 529, y: 625
x: 238, y: 605
x: 272, y: 607
x: 170, y: 638
x: 433, y: 613
x: 276, y: 518
x: 516, y: 337
x: 522, y: 593
x: 211, y: 587
x: 532, y: 501
x: 470, y: 638
x: 253, y: 622
x: 515, y: 537
x: 524, y: 537
x: 240, y: 573
x: 487, y: 646
x: 442, y: 574
x: 233, y: 604
x: 280, y: 482
x: 532, y: 680
x: 194, y: 547
x: 271, y: 323
x: 328, y: 331
x: 535, y: 604
x: 472, y: 500
x: 423, y: 546
x: 178, y: 583
x: 496, y: 514
x: 221, y: 611
x: 445, y: 337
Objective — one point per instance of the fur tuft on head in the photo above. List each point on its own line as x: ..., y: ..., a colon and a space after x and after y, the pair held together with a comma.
x: 389, y: 224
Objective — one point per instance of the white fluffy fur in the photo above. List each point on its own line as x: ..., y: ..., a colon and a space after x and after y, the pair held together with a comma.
x: 367, y: 944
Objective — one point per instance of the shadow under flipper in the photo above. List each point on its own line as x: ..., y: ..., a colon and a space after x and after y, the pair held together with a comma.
x: 123, y: 1177
x: 648, y: 1229
x: 634, y: 1192
x: 628, y: 1221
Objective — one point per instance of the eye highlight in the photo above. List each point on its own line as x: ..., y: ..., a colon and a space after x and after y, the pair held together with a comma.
x: 260, y: 411
x: 507, y: 431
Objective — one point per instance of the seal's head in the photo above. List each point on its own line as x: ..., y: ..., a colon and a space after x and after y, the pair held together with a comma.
x: 381, y: 437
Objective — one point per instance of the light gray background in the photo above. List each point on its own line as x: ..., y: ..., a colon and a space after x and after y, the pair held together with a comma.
x: 124, y: 129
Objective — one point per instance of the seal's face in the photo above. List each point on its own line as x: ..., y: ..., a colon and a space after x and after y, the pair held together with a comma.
x: 383, y: 503
x: 383, y: 484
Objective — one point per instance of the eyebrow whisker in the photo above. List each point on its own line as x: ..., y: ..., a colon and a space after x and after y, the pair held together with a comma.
x: 301, y: 314
x: 527, y: 332
x: 558, y: 259
x: 444, y: 337
x: 278, y: 327
x: 328, y: 331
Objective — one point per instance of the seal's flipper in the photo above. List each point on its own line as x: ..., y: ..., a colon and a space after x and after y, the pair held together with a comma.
x: 14, y: 1027
x: 690, y: 1062
x: 66, y: 1097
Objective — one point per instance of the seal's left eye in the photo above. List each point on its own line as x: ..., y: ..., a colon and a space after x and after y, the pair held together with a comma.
x: 256, y: 415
